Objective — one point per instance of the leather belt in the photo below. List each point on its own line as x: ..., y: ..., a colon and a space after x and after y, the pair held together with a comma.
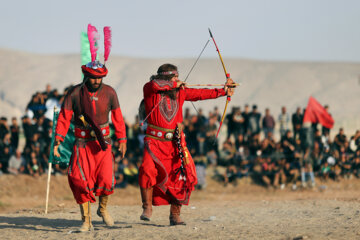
x: 159, y: 133
x: 89, y: 133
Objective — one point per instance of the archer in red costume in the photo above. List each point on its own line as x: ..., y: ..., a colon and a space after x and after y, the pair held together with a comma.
x: 167, y: 173
x: 91, y: 168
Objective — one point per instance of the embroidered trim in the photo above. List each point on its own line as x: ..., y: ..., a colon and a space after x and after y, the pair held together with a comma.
x: 78, y: 163
x: 162, y: 83
x: 160, y: 128
x: 169, y: 73
x: 157, y: 161
x: 60, y: 135
x: 167, y: 113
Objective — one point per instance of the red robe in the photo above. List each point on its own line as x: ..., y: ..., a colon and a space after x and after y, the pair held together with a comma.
x: 161, y: 160
x: 91, y: 170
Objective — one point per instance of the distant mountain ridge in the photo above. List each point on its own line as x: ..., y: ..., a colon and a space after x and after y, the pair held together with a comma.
x: 266, y: 83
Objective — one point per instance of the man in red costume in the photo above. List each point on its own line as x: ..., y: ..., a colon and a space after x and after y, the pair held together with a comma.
x: 167, y: 173
x: 91, y: 169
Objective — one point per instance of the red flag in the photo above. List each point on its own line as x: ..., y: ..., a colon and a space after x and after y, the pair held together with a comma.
x: 316, y: 113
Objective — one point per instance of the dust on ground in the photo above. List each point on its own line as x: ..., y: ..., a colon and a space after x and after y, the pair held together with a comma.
x: 246, y: 211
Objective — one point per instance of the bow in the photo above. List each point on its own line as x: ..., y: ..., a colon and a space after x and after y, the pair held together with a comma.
x: 227, y: 75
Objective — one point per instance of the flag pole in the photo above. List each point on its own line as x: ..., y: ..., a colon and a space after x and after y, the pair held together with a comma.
x: 50, y: 165
x: 48, y: 187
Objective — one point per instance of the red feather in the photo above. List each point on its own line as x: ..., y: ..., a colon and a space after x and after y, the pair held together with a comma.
x: 93, y: 37
x: 107, y: 42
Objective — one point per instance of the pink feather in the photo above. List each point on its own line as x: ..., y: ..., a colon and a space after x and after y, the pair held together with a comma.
x: 93, y: 37
x: 107, y: 42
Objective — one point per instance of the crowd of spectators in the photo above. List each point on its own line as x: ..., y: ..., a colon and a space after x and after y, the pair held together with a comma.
x: 250, y: 150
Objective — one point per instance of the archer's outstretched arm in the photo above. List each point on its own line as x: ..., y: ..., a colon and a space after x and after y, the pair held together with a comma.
x: 194, y: 94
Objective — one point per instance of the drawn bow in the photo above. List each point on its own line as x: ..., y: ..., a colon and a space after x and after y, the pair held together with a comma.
x: 227, y: 75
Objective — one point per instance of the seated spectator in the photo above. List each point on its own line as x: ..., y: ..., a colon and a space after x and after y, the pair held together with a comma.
x: 356, y: 164
x: 270, y: 173
x: 212, y: 158
x: 244, y: 169
x: 33, y: 166
x: 346, y: 166
x: 354, y: 143
x: 325, y: 171
x: 230, y: 175
x: 291, y: 175
x: 226, y: 154
x: 128, y: 174
x: 200, y: 167
x: 340, y: 139
x: 16, y: 163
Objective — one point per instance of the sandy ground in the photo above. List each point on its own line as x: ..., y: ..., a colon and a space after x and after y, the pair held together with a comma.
x: 246, y: 211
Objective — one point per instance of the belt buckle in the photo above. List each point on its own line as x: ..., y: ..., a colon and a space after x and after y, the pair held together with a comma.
x: 169, y: 136
x: 92, y: 133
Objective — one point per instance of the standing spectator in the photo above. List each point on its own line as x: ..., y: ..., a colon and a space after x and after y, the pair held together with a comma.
x: 5, y: 152
x: 268, y: 123
x: 307, y: 169
x: 284, y: 120
x: 246, y: 114
x: 230, y: 123
x: 201, y: 119
x: 325, y: 130
x: 238, y: 121
x: 217, y: 114
x: 4, y: 128
x: 297, y: 119
x: 211, y: 141
x: 288, y: 144
x: 15, y: 131
x: 29, y: 130
x: 254, y: 121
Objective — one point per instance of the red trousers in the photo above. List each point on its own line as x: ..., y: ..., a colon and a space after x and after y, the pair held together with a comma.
x: 91, y: 171
x: 160, y: 169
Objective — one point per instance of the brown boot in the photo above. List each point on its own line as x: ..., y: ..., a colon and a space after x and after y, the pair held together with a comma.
x: 102, y: 211
x: 175, y: 215
x: 85, y: 217
x: 146, y: 197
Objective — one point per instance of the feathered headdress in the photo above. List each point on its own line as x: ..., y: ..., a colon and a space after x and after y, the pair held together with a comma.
x: 93, y: 37
x: 107, y: 42
x: 95, y: 68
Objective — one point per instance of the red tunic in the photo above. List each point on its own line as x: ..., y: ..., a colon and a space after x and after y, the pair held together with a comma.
x: 161, y: 159
x: 91, y: 170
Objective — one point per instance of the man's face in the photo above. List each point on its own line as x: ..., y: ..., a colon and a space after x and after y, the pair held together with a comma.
x: 95, y: 83
x: 175, y: 78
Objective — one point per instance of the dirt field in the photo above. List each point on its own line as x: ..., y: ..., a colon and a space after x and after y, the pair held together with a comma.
x: 329, y: 211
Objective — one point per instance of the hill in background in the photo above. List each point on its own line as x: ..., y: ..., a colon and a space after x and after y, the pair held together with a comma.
x: 265, y: 83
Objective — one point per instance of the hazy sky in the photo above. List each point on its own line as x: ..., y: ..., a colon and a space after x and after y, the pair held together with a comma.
x: 310, y: 30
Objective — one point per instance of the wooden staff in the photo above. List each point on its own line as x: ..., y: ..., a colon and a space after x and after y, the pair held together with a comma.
x: 49, y: 174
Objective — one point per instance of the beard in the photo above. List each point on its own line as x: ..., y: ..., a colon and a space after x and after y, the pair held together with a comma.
x: 93, y: 87
x: 172, y: 93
